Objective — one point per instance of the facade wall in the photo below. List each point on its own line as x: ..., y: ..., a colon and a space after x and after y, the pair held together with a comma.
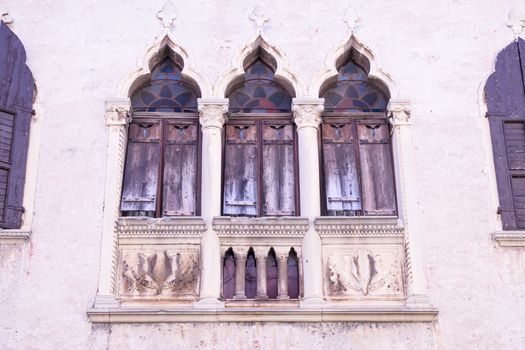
x: 438, y: 54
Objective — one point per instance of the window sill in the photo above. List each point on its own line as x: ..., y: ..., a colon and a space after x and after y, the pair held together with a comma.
x: 510, y: 238
x: 14, y: 236
x: 372, y: 229
x: 286, y: 226
x: 166, y: 230
x: 261, y: 314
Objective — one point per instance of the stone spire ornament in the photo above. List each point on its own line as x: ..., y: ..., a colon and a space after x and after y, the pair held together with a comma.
x: 167, y: 15
x: 4, y: 16
x: 259, y: 17
x: 351, y: 19
x: 515, y: 23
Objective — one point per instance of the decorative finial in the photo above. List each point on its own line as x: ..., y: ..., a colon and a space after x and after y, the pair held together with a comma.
x: 259, y: 17
x: 4, y: 16
x: 167, y: 15
x: 351, y: 19
x: 515, y: 23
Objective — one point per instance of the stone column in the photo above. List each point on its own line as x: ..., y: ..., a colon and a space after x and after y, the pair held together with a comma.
x: 307, y: 117
x: 261, y: 276
x: 240, y: 276
x: 117, y: 120
x: 212, y: 116
x: 282, y: 260
x: 400, y: 118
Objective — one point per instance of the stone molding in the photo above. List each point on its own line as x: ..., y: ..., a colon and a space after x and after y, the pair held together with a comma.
x: 262, y: 314
x: 14, y: 236
x: 167, y: 15
x: 515, y: 23
x: 212, y: 112
x: 307, y: 112
x: 260, y: 227
x: 118, y: 112
x: 147, y: 227
x: 399, y: 112
x: 365, y: 226
x: 5, y: 17
x: 509, y: 238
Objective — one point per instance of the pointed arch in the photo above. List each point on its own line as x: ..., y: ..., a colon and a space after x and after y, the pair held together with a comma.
x: 162, y: 47
x: 259, y: 47
x: 360, y: 53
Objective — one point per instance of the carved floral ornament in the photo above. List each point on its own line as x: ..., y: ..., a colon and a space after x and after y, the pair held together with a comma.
x: 399, y: 113
x: 308, y: 114
x: 212, y: 115
x: 4, y: 16
x: 117, y: 112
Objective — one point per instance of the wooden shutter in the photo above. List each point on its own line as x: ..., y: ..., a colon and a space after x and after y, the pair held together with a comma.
x: 139, y: 192
x: 180, y: 168
x: 341, y: 182
x: 278, y: 176
x: 16, y: 100
x: 240, y: 170
x: 505, y: 96
x: 377, y: 173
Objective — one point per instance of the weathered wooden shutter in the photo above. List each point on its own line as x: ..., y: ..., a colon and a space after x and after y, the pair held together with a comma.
x: 505, y: 96
x: 278, y: 175
x: 272, y: 274
x: 293, y: 275
x: 340, y: 169
x: 377, y: 173
x: 16, y: 100
x: 228, y: 279
x: 180, y: 168
x: 240, y: 170
x: 139, y: 192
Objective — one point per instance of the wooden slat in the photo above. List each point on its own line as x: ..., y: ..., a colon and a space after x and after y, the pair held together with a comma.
x: 278, y: 180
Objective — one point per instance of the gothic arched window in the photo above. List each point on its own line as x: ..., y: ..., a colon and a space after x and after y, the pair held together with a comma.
x: 260, y: 151
x: 356, y: 150
x: 161, y: 173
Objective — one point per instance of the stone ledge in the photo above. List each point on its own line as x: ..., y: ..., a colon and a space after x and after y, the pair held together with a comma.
x: 144, y: 230
x: 191, y: 315
x: 260, y: 227
x: 359, y: 226
x: 510, y: 238
x: 14, y: 236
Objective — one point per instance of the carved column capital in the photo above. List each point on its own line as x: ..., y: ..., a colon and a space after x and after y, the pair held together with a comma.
x: 212, y: 112
x: 117, y: 112
x: 399, y: 112
x: 307, y: 112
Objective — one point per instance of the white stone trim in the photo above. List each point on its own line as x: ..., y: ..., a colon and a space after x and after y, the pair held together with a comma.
x: 165, y: 230
x: 329, y: 72
x: 150, y: 56
x: 260, y: 227
x: 262, y: 314
x: 509, y: 238
x: 14, y: 236
x: 283, y: 73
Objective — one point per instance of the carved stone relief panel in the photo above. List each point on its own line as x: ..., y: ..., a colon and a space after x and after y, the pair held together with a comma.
x: 363, y: 271
x: 160, y: 273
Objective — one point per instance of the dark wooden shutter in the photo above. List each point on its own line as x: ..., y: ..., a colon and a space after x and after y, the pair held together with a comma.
x: 377, y: 173
x: 180, y: 168
x: 278, y: 180
x: 505, y: 96
x: 16, y: 100
x: 139, y: 192
x: 341, y: 181
x: 240, y: 170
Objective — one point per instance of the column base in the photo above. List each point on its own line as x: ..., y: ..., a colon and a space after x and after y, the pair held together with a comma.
x: 105, y: 302
x: 209, y: 303
x: 313, y: 302
x: 283, y: 297
x: 239, y: 297
x: 261, y: 297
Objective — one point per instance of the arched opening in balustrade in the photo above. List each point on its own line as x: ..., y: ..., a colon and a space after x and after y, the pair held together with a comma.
x: 228, y: 275
x: 250, y: 283
x: 293, y: 274
x: 272, y: 275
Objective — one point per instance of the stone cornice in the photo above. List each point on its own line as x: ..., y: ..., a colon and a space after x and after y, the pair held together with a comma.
x: 14, y: 236
x: 117, y: 112
x: 510, y: 238
x: 358, y: 226
x: 169, y: 227
x: 307, y: 112
x: 399, y: 112
x: 212, y: 112
x: 257, y: 227
x: 262, y: 314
